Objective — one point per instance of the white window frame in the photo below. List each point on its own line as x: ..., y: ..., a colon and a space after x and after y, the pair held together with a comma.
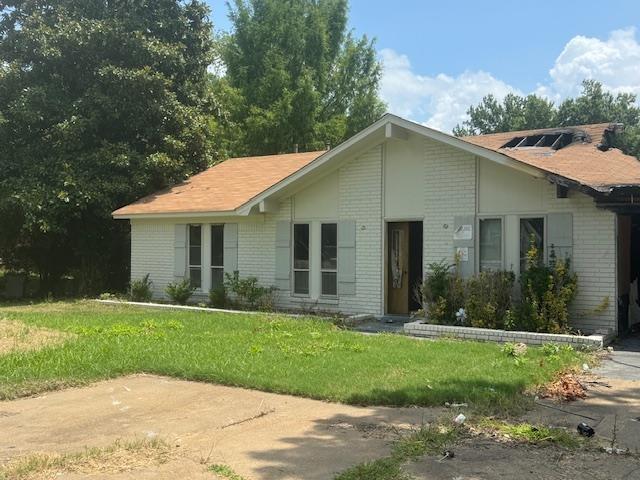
x: 502, y: 242
x: 189, y: 265
x: 293, y: 260
x: 329, y: 270
x: 543, y: 216
x: 213, y: 267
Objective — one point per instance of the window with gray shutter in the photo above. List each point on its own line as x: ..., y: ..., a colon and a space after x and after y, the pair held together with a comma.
x: 347, y: 257
x: 230, y: 243
x: 283, y: 255
x: 180, y: 252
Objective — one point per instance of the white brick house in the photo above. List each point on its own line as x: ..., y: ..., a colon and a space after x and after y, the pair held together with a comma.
x: 352, y: 229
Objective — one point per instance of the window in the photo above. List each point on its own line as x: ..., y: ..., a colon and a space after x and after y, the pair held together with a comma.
x: 217, y: 256
x: 490, y: 244
x: 301, y: 258
x: 195, y: 255
x: 531, y: 232
x: 329, y: 258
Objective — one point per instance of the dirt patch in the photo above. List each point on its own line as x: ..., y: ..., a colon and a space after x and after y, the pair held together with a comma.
x: 120, y: 457
x: 19, y: 337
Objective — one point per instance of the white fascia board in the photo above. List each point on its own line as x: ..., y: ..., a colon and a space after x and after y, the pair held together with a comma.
x: 144, y: 216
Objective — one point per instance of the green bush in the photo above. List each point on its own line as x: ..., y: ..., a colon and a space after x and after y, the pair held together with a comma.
x: 249, y: 294
x: 547, y: 292
x: 442, y: 293
x: 141, y: 289
x: 218, y: 297
x: 180, y: 292
x: 488, y: 298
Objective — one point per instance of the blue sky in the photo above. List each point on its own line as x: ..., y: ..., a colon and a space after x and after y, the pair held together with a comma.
x: 439, y: 57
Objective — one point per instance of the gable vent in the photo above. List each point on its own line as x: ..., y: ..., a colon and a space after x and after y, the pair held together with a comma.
x: 555, y: 140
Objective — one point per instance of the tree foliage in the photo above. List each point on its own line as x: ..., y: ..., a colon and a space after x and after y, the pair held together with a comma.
x: 594, y: 105
x: 101, y: 102
x: 300, y: 77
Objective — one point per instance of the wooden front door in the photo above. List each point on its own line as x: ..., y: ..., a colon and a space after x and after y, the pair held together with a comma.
x: 398, y: 268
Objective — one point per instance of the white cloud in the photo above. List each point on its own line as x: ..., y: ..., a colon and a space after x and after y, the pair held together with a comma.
x: 615, y: 62
x: 441, y: 101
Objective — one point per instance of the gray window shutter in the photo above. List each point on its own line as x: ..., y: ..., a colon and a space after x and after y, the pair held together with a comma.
x: 465, y: 243
x: 560, y: 234
x: 347, y: 257
x: 180, y: 252
x: 283, y: 255
x: 230, y: 239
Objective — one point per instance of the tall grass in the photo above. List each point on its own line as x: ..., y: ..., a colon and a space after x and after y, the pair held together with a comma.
x: 303, y: 356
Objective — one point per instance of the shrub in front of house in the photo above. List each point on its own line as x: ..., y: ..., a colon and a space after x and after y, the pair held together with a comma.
x: 218, y: 297
x: 442, y: 293
x: 249, y: 294
x: 180, y: 292
x: 547, y: 292
x: 487, y: 299
x: 140, y: 290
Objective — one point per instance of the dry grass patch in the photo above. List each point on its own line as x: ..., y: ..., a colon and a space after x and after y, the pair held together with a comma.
x: 120, y: 457
x: 18, y: 337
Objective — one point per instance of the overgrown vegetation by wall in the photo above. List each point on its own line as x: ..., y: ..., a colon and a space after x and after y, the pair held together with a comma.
x: 540, y: 303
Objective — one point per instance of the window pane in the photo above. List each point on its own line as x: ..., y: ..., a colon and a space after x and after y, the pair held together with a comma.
x: 217, y: 277
x: 301, y: 282
x: 531, y: 230
x: 195, y: 235
x: 329, y: 246
x: 301, y: 246
x: 217, y: 245
x: 329, y: 283
x: 195, y: 277
x: 490, y: 244
x: 195, y: 254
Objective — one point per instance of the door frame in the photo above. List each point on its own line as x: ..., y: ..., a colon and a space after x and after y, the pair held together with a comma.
x: 385, y: 255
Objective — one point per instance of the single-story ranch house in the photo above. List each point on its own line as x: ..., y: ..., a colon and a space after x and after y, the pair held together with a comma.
x: 352, y: 229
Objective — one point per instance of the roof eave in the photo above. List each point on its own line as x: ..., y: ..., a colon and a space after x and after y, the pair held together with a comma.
x: 158, y: 215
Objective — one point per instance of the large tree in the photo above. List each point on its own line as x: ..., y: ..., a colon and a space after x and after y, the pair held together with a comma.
x: 101, y: 101
x: 301, y: 77
x: 594, y: 105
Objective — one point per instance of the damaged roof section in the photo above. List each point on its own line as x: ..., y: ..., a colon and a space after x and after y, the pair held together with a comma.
x: 582, y: 155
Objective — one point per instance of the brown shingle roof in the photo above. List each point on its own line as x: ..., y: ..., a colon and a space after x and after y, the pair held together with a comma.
x: 223, y: 187
x: 580, y: 162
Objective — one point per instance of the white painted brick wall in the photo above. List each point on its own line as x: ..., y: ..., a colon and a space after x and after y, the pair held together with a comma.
x: 152, y: 253
x: 449, y: 183
x: 360, y: 191
x: 594, y: 258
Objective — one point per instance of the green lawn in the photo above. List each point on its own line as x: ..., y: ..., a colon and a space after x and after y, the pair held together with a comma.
x: 307, y: 357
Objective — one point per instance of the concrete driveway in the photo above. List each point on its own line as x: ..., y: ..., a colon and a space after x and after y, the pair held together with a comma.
x: 624, y: 361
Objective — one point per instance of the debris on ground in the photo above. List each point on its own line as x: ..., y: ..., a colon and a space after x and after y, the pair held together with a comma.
x: 459, y: 419
x: 567, y: 387
x: 585, y: 430
x: 455, y: 405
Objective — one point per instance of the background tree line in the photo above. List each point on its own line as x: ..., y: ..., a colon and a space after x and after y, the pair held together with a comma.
x: 104, y: 101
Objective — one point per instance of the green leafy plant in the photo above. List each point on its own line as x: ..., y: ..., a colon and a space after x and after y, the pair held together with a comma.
x: 180, y: 292
x: 488, y: 299
x: 442, y: 293
x: 547, y: 292
x: 141, y: 289
x: 249, y: 294
x: 218, y: 297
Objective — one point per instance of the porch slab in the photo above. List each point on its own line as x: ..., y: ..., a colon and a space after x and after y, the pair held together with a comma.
x: 419, y: 329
